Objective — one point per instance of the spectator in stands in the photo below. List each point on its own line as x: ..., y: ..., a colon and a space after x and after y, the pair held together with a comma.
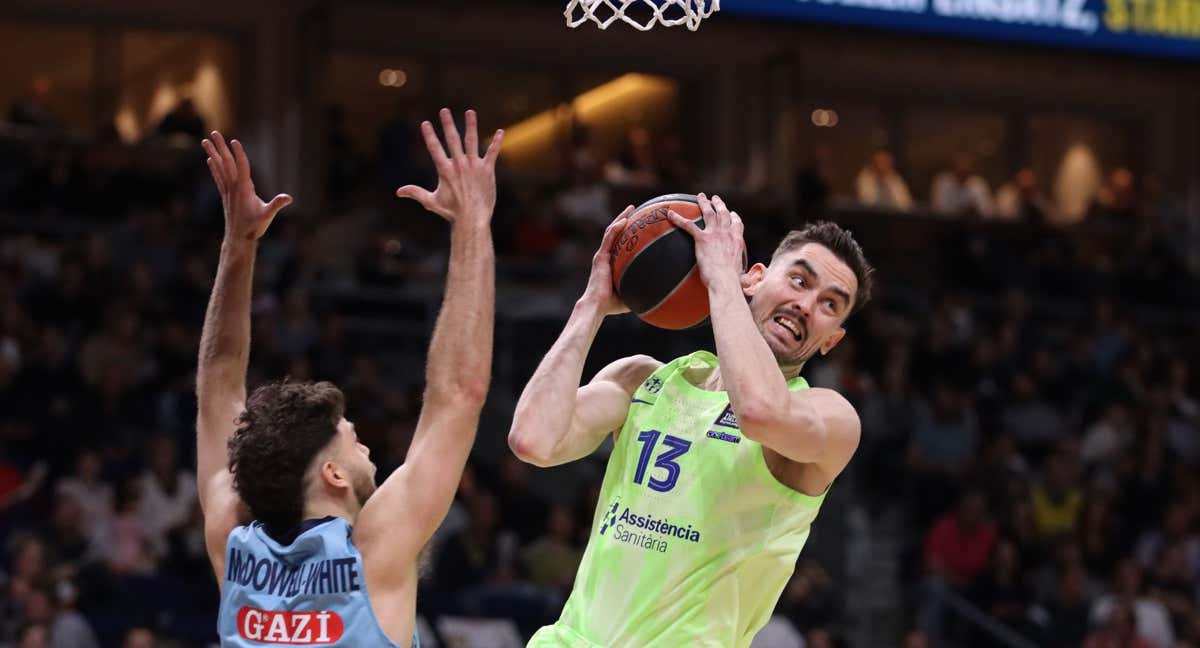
x: 1177, y: 532
x: 297, y: 327
x: 27, y: 571
x: 1067, y: 614
x: 1021, y: 200
x: 478, y: 554
x: 1001, y: 591
x: 33, y: 635
x: 636, y: 165
x: 1100, y: 533
x: 183, y: 120
x: 168, y: 492
x: 959, y: 544
x: 1057, y: 501
x: 17, y: 486
x: 942, y: 449
x: 130, y: 547
x: 139, y: 637
x: 915, y: 638
x: 93, y: 495
x: 1119, y: 631
x: 67, y: 628
x: 342, y: 165
x: 537, y: 235
x: 1173, y: 584
x: 1128, y: 598
x: 33, y: 109
x: 552, y: 559
x: 960, y: 191
x: 1106, y: 440
x: 814, y: 184
x: 890, y: 416
x: 1029, y: 417
x: 674, y: 170
x: 394, y: 148
x: 68, y: 538
x: 522, y: 509
x: 584, y: 200
x: 879, y: 185
x: 120, y: 343
x: 810, y: 600
x: 1183, y: 426
x: 1115, y: 203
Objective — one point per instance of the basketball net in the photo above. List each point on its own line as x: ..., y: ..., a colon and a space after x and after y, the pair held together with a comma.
x: 668, y: 13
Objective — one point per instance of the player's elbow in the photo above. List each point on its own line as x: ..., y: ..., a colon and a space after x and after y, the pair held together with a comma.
x: 526, y: 448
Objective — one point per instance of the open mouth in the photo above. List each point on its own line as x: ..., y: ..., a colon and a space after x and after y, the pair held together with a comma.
x: 790, y: 325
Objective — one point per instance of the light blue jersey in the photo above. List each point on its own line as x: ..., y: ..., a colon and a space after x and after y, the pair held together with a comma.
x: 311, y: 592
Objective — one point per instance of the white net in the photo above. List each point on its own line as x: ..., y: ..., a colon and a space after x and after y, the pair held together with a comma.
x: 641, y: 14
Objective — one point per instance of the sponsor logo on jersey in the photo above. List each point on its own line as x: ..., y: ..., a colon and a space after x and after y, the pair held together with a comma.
x: 724, y: 436
x: 289, y: 628
x: 727, y: 418
x: 611, y: 517
x: 623, y: 524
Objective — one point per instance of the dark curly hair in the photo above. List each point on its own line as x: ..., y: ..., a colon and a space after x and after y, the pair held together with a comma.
x: 284, y: 426
x: 841, y: 242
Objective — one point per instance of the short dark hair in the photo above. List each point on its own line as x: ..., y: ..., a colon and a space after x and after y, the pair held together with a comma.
x: 285, y: 425
x: 839, y: 241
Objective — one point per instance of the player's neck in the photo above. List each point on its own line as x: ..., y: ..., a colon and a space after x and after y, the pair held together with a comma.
x: 322, y: 508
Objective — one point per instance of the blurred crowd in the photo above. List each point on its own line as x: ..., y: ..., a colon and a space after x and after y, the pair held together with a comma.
x: 1031, y: 414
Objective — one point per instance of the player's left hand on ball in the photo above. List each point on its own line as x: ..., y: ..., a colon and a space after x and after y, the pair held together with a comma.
x: 466, y: 186
x: 720, y: 248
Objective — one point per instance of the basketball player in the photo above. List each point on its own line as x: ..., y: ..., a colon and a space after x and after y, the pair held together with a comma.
x: 717, y: 470
x: 322, y: 537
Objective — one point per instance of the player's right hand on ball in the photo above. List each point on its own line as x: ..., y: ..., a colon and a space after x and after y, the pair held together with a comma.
x: 600, y: 289
x: 466, y: 189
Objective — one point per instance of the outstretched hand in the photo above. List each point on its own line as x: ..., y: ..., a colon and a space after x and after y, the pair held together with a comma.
x: 247, y: 217
x: 466, y: 186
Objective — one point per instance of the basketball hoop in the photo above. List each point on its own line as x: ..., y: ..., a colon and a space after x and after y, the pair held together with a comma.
x: 668, y: 13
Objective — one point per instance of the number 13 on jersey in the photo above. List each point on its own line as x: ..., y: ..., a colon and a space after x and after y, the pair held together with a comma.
x: 673, y: 448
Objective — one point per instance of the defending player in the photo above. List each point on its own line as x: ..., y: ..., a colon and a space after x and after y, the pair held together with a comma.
x: 322, y: 537
x: 717, y: 471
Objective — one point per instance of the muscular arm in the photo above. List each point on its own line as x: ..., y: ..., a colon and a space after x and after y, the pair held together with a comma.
x: 556, y: 421
x: 224, y: 353
x: 225, y: 339
x: 813, y: 426
x: 402, y: 515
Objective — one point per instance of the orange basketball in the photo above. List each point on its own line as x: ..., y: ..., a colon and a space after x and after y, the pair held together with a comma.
x: 654, y: 265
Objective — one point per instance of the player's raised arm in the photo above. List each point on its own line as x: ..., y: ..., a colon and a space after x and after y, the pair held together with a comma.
x: 556, y: 420
x: 401, y: 516
x: 816, y: 426
x: 225, y: 340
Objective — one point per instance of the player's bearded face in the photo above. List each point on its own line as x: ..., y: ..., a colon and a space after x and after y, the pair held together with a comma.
x: 357, y: 459
x: 363, y: 483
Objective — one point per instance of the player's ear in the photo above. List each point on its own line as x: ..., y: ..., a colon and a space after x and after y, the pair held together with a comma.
x: 752, y: 278
x: 333, y: 474
x: 832, y: 340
